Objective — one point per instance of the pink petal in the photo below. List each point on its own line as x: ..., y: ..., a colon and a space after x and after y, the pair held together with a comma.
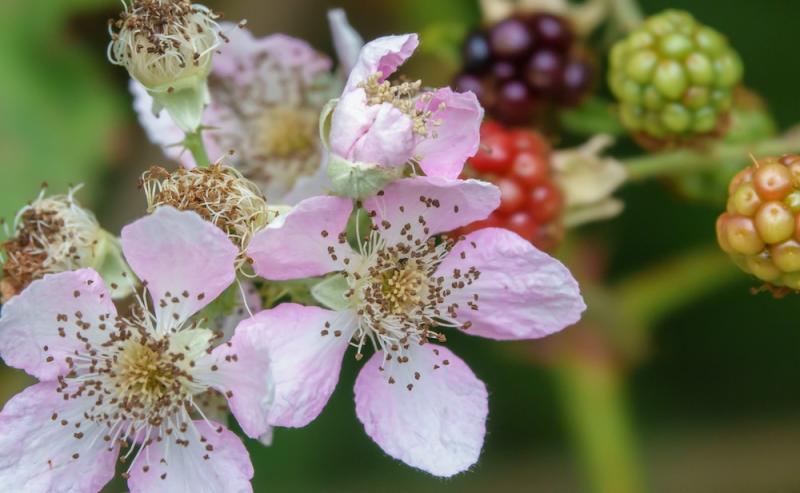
x: 227, y: 470
x: 382, y: 55
x: 30, y: 321
x: 456, y: 136
x: 444, y: 205
x: 185, y: 261
x: 375, y: 134
x: 243, y: 375
x: 306, y: 345
x: 437, y: 426
x: 346, y: 40
x: 522, y: 293
x: 37, y: 452
x: 295, y: 245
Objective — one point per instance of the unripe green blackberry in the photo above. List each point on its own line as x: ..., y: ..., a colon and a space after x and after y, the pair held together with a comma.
x: 761, y: 228
x: 674, y: 79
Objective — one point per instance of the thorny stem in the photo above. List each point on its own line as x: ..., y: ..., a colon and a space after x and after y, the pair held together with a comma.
x: 682, y: 161
x: 194, y: 143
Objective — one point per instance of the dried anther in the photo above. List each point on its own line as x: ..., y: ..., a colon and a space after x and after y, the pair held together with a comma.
x: 219, y: 194
x: 51, y: 234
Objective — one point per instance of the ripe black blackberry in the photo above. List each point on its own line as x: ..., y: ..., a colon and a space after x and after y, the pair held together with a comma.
x: 525, y: 65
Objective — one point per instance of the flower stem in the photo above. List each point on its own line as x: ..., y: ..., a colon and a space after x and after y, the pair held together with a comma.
x: 593, y: 393
x: 194, y: 142
x: 682, y: 161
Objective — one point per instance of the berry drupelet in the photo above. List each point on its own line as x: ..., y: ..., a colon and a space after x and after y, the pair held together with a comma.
x: 760, y: 229
x: 674, y: 79
x: 525, y: 65
x: 518, y: 162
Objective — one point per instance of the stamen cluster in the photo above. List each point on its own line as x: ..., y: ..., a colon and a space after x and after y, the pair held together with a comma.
x: 51, y: 234
x: 219, y: 194
x: 163, y: 41
x: 406, y: 97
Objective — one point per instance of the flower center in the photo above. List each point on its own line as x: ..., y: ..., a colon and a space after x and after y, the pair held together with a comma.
x: 404, y: 287
x: 161, y: 41
x: 51, y: 234
x: 406, y: 97
x: 219, y: 194
x: 288, y: 131
x: 146, y: 374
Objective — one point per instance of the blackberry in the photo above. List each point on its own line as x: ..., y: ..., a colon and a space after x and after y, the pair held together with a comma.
x: 761, y: 228
x: 525, y: 66
x: 674, y: 79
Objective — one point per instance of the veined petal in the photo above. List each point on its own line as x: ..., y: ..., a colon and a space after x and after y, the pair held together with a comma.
x: 306, y: 345
x: 521, y: 292
x: 429, y: 412
x: 38, y: 453
x: 382, y: 55
x: 443, y: 205
x: 456, y: 135
x: 185, y: 261
x: 304, y: 242
x: 219, y: 464
x: 38, y: 327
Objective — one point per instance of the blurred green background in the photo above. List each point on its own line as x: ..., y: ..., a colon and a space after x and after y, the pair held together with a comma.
x: 710, y: 400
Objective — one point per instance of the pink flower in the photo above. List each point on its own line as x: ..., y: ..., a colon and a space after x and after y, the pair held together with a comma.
x: 416, y: 399
x: 267, y: 94
x: 109, y: 381
x: 388, y: 125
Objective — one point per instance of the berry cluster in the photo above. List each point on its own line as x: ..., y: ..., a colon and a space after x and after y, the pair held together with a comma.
x: 674, y: 79
x: 524, y: 64
x: 518, y: 162
x: 761, y: 228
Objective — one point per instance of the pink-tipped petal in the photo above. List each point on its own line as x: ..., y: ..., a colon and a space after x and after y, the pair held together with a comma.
x: 443, y: 204
x: 297, y: 244
x: 374, y: 134
x: 522, y: 292
x: 39, y: 454
x: 241, y: 371
x: 306, y: 345
x: 430, y: 415
x: 33, y: 322
x: 456, y: 135
x: 382, y: 55
x: 220, y: 464
x: 185, y: 261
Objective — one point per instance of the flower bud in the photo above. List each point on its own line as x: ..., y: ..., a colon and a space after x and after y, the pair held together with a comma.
x: 167, y: 45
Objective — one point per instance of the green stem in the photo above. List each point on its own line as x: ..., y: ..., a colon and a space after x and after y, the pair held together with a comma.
x: 194, y: 142
x: 595, y: 402
x: 649, y: 295
x: 673, y: 163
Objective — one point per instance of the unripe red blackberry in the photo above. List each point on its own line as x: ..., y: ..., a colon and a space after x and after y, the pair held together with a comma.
x: 761, y: 228
x: 525, y: 65
x: 518, y: 162
x: 674, y: 79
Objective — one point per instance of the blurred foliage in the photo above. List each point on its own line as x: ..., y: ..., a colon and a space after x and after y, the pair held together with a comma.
x: 57, y: 112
